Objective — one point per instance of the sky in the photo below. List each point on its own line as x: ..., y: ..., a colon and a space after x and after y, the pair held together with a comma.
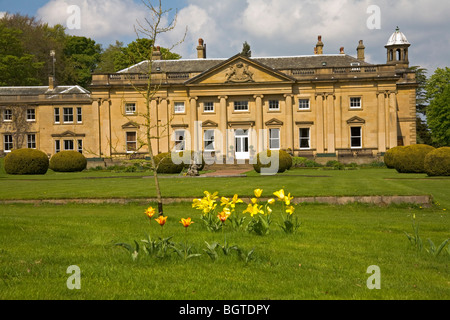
x: 271, y: 27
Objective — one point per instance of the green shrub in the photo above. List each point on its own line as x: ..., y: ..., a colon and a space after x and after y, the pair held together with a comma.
x: 68, y: 161
x: 165, y: 164
x: 437, y: 162
x: 264, y: 158
x: 411, y: 159
x: 335, y: 165
x: 389, y: 157
x: 26, y: 162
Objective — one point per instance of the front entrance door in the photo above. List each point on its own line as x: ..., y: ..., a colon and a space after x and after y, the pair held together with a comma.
x: 242, y: 144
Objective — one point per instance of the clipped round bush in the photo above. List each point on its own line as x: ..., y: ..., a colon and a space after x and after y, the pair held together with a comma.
x: 264, y: 160
x: 68, y: 161
x: 389, y: 157
x: 437, y: 162
x: 165, y: 164
x: 26, y: 162
x: 411, y: 159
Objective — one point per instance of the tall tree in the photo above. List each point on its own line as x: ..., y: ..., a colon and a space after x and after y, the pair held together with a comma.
x: 423, y: 132
x: 438, y: 111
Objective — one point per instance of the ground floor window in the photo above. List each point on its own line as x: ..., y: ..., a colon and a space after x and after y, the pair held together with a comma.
x: 68, y: 145
x: 131, y: 142
x: 80, y: 146
x: 305, y: 138
x: 209, y: 140
x: 7, y: 142
x: 274, y: 139
x: 180, y: 140
x: 356, y: 137
x: 31, y: 141
x: 57, y: 146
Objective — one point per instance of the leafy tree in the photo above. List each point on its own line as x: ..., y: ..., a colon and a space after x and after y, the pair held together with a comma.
x: 438, y: 112
x: 109, y: 57
x: 423, y: 132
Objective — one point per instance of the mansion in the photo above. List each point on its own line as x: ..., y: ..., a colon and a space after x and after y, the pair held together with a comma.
x: 321, y: 106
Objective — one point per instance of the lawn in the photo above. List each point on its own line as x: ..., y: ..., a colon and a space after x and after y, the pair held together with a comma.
x: 327, y: 258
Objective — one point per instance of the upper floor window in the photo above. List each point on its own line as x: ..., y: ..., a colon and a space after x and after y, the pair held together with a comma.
x: 274, y: 105
x: 57, y: 115
x: 355, y: 103
x: 208, y: 107
x: 79, y: 115
x: 241, y: 106
x: 180, y: 107
x: 304, y: 104
x: 31, y: 115
x: 130, y: 109
x: 68, y: 115
x: 7, y: 115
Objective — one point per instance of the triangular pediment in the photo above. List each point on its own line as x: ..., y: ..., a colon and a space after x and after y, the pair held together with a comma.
x: 356, y: 120
x: 210, y: 124
x: 239, y: 70
x: 274, y: 122
x: 130, y: 125
x: 68, y: 134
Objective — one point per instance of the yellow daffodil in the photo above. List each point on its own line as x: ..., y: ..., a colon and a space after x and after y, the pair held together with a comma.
x: 150, y: 212
x: 161, y: 220
x: 287, y: 199
x: 290, y: 210
x: 279, y: 194
x: 223, y: 216
x: 258, y: 193
x: 224, y: 202
x: 254, y: 200
x: 186, y: 222
x: 254, y: 209
x: 271, y: 201
x: 236, y: 199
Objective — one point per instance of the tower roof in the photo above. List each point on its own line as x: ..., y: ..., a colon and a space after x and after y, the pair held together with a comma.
x: 397, y: 38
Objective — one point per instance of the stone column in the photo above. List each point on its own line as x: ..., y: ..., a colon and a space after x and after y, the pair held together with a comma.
x: 319, y: 123
x: 289, y: 122
x: 393, y: 119
x: 331, y: 139
x: 223, y: 125
x: 196, y: 137
x: 381, y: 122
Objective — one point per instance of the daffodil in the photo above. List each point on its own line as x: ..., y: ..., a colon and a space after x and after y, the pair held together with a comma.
x: 254, y: 200
x: 254, y: 209
x: 271, y: 201
x: 150, y: 212
x: 279, y: 194
x: 287, y: 199
x: 186, y: 222
x: 258, y: 193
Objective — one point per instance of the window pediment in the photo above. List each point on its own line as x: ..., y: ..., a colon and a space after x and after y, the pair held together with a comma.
x: 356, y: 120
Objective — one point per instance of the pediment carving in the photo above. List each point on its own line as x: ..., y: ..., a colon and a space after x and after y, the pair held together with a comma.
x: 239, y: 73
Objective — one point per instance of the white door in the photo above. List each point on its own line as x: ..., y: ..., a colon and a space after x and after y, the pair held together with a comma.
x: 242, y: 144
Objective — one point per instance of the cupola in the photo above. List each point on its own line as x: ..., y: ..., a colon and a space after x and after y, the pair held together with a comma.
x: 397, y: 50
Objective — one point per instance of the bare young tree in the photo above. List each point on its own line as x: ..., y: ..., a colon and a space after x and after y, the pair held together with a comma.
x: 152, y: 28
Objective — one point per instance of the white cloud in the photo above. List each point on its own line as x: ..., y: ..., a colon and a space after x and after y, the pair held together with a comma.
x: 102, y: 20
x: 2, y: 14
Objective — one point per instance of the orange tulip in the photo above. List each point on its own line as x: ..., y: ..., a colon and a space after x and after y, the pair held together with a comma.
x: 150, y: 212
x: 186, y: 222
x: 223, y: 216
x: 161, y: 220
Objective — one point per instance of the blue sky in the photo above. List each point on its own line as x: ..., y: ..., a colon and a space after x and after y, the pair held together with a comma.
x: 271, y: 27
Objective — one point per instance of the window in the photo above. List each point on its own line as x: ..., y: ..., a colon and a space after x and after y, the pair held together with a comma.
x: 31, y: 141
x: 7, y: 115
x: 303, y: 104
x: 131, y: 142
x: 57, y: 115
x: 57, y: 146
x: 241, y: 106
x: 180, y: 143
x: 31, y: 115
x: 80, y: 146
x: 274, y: 105
x: 68, y: 115
x: 68, y: 145
x: 208, y: 107
x: 355, y: 103
x: 356, y: 137
x: 274, y: 139
x: 179, y: 107
x: 130, y: 108
x: 305, y: 139
x: 79, y: 115
x: 209, y: 140
x: 8, y: 142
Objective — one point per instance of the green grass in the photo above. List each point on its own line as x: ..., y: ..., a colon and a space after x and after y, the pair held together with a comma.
x: 327, y: 259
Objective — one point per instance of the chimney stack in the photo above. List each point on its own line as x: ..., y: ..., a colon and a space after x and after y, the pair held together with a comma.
x: 319, y: 46
x: 201, y: 49
x: 52, y: 77
x: 157, y: 54
x: 361, y: 48
x: 51, y: 83
x: 342, y: 50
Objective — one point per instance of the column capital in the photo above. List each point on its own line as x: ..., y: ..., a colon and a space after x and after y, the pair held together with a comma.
x: 223, y: 97
x: 258, y: 96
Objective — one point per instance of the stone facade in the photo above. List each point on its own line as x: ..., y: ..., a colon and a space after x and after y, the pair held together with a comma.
x: 323, y: 106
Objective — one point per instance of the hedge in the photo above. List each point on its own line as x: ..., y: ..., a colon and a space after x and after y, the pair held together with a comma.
x: 68, y: 161
x: 411, y: 159
x: 437, y: 162
x: 264, y: 160
x: 26, y: 162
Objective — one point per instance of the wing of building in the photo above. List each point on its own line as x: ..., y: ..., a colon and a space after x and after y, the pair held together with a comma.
x: 321, y: 106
